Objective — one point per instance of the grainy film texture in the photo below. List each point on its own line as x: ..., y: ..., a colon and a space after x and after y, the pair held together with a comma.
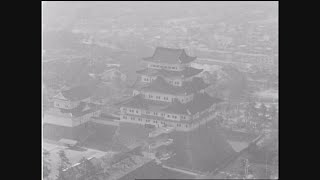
x: 159, y: 90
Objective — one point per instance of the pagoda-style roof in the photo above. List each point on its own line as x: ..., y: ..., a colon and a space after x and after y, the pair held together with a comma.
x: 170, y: 56
x: 200, y: 102
x: 161, y: 86
x: 187, y: 72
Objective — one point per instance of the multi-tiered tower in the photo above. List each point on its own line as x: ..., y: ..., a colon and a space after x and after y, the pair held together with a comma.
x: 168, y: 93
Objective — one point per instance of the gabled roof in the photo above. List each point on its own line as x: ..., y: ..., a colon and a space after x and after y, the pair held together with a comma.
x: 187, y: 72
x: 77, y: 93
x: 170, y: 55
x: 200, y: 102
x: 136, y: 101
x: 140, y: 103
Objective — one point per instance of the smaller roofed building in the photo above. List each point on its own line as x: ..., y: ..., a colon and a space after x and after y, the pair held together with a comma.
x: 72, y: 107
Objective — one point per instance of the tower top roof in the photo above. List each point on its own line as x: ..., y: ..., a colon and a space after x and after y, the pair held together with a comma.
x: 170, y: 56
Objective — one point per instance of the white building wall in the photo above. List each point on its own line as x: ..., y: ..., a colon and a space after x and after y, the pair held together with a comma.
x: 158, y: 96
x: 130, y: 111
x: 65, y: 104
x: 81, y: 120
x: 170, y: 67
x: 174, y: 117
x: 180, y: 126
x: 62, y: 104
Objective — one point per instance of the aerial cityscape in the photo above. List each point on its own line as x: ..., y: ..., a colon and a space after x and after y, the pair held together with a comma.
x: 160, y: 90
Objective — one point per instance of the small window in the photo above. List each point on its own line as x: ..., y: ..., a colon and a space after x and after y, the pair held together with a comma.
x: 137, y: 111
x: 155, y: 113
x: 139, y: 119
x: 162, y: 114
x: 179, y: 125
x: 158, y: 97
x: 186, y: 125
x: 132, y: 118
x: 168, y: 115
x: 148, y: 120
x: 147, y: 112
x: 124, y: 117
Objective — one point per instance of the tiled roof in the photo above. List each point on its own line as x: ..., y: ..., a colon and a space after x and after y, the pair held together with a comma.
x: 82, y: 109
x: 169, y: 55
x: 200, y: 102
x: 140, y: 103
x: 77, y: 93
x: 160, y: 85
x: 187, y: 72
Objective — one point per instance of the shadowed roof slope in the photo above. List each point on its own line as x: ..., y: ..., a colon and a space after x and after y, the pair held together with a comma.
x: 202, y: 149
x: 151, y: 171
x: 77, y: 93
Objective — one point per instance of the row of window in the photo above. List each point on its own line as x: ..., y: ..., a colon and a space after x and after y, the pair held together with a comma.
x: 150, y: 96
x: 131, y: 110
x: 174, y: 82
x: 166, y: 67
x: 156, y: 114
x: 154, y: 121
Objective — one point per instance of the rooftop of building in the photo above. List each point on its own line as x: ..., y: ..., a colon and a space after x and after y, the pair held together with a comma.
x: 200, y: 102
x: 153, y: 170
x: 77, y: 93
x: 82, y: 109
x: 187, y: 72
x: 160, y: 85
x: 170, y: 56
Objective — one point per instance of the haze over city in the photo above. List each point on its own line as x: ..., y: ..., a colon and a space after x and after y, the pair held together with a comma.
x: 160, y: 89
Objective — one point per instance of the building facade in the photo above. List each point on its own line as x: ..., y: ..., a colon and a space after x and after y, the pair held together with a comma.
x: 72, y: 108
x: 168, y: 93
